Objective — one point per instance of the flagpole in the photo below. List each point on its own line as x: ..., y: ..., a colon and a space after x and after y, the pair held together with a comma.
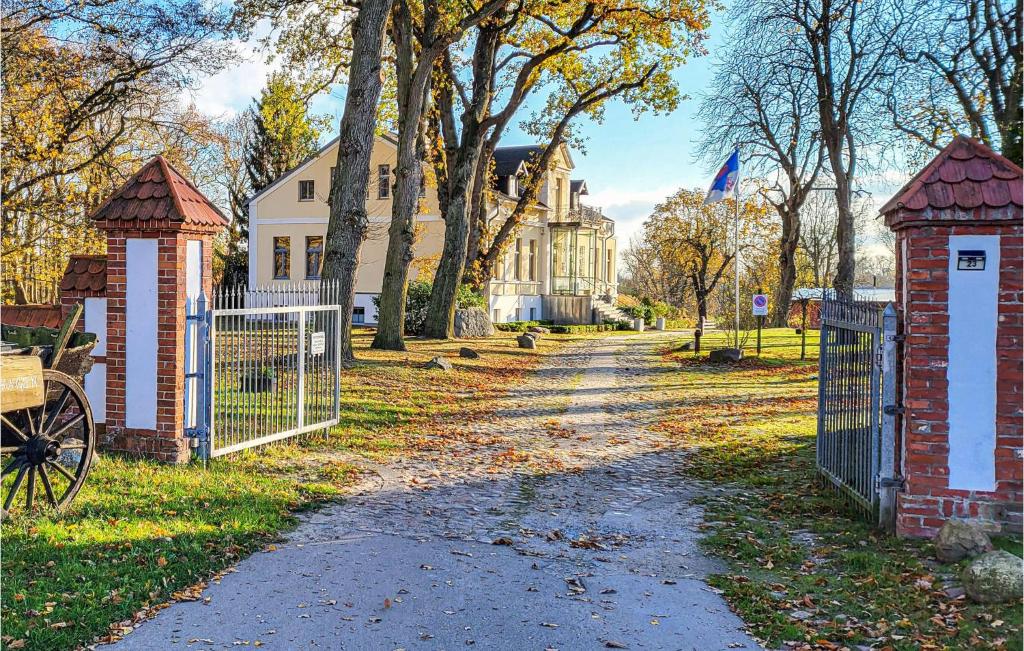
x: 736, y: 243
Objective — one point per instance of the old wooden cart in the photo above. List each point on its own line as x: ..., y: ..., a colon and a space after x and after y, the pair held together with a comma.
x: 47, y: 434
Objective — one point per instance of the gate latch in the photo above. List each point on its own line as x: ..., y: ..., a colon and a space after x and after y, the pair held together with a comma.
x: 891, y: 482
x: 893, y: 410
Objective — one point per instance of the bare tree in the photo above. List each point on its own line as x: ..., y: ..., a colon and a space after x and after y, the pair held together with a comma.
x: 769, y: 111
x: 848, y: 47
x: 963, y: 73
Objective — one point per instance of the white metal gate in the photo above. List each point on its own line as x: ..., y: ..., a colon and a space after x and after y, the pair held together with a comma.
x: 255, y: 375
x: 856, y: 405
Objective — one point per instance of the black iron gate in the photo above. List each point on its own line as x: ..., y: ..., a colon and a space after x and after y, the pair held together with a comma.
x: 856, y: 410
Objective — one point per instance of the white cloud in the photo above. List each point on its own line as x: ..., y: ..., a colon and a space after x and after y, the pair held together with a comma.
x: 230, y: 91
x: 629, y: 208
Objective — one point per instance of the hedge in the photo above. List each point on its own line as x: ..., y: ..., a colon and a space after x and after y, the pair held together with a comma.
x: 519, y: 326
x: 580, y: 329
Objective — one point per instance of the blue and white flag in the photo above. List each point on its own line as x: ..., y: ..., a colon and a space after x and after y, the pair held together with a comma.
x: 726, y: 180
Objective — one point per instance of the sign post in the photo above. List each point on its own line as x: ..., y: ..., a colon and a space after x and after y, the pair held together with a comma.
x: 760, y: 309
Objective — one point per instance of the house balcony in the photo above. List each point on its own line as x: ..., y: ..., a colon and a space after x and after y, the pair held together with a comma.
x: 580, y: 216
x: 514, y: 287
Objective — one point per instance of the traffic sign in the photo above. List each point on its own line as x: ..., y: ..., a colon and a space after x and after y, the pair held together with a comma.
x: 760, y: 304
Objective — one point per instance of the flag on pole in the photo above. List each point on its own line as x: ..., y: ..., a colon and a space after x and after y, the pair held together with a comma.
x: 726, y: 180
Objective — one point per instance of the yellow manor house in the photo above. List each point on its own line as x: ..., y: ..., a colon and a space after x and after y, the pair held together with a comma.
x: 561, y: 265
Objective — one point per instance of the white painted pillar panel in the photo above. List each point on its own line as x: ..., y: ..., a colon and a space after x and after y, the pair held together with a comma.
x: 973, y: 319
x: 96, y: 380
x: 96, y: 322
x: 141, y: 306
x: 96, y: 391
x: 193, y: 287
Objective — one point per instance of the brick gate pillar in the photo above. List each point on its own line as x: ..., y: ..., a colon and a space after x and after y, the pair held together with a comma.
x: 159, y: 230
x: 958, y: 227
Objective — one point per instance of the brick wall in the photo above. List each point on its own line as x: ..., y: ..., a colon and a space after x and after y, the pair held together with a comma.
x: 167, y: 442
x: 923, y: 283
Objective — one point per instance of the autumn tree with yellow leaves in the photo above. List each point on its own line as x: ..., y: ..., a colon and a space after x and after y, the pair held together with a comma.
x: 689, y: 247
x: 91, y: 88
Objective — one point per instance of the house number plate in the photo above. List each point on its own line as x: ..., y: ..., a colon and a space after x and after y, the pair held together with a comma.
x: 317, y: 343
x: 970, y: 260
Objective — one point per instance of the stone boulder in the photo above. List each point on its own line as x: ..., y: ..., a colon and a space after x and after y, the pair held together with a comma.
x: 725, y: 355
x: 472, y: 322
x: 994, y: 577
x: 468, y: 353
x: 960, y: 539
x: 539, y: 330
x: 526, y: 341
x: 439, y: 363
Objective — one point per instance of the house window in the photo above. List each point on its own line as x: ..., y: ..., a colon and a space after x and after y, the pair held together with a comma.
x: 383, y: 181
x: 559, y: 200
x: 608, y: 273
x: 519, y: 314
x: 532, y: 273
x: 359, y: 315
x: 282, y: 257
x: 519, y: 260
x: 306, y: 191
x: 497, y: 316
x: 314, y: 256
x: 533, y: 314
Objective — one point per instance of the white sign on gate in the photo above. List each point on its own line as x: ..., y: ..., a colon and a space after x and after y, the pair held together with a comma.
x: 760, y: 304
x: 317, y: 343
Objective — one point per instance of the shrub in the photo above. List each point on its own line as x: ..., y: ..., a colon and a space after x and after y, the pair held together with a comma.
x: 580, y: 329
x: 417, y: 299
x: 519, y: 326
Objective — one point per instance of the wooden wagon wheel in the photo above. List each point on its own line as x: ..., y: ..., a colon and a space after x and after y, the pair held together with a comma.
x: 49, y: 447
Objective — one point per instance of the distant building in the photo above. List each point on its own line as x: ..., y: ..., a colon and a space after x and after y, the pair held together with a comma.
x: 880, y: 296
x: 564, y: 248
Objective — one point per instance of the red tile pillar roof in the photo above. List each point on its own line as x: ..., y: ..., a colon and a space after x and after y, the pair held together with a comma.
x: 959, y: 291
x: 159, y: 230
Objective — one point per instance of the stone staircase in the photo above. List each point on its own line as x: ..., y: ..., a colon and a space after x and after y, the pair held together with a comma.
x: 606, y: 311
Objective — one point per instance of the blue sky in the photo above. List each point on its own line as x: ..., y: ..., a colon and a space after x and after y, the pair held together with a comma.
x: 629, y: 165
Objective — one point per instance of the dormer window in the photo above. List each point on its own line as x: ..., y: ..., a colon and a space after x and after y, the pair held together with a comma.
x: 306, y: 191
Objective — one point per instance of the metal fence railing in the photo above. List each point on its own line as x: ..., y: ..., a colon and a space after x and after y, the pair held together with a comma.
x: 856, y: 414
x: 261, y: 374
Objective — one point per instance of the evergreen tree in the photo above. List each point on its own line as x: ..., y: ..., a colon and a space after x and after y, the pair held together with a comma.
x: 276, y: 134
x: 282, y: 134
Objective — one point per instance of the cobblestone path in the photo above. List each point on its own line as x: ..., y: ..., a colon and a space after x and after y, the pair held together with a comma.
x: 472, y: 547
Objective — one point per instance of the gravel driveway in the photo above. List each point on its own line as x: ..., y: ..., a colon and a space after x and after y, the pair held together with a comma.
x: 465, y: 548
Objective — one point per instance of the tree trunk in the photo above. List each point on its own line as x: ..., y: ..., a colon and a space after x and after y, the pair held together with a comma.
x: 412, y: 84
x: 845, y: 235
x: 787, y: 266
x: 440, y: 322
x: 346, y: 228
x: 463, y: 183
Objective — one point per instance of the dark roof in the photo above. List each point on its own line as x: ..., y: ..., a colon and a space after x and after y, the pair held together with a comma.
x: 966, y: 175
x: 578, y: 186
x: 85, y: 273
x: 509, y: 161
x: 32, y: 316
x: 159, y: 192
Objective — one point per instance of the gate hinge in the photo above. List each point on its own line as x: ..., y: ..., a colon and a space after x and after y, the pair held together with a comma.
x: 891, y: 482
x: 893, y: 410
x: 197, y: 435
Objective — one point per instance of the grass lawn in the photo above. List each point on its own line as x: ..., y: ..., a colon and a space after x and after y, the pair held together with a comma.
x: 140, y: 533
x: 802, y: 567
